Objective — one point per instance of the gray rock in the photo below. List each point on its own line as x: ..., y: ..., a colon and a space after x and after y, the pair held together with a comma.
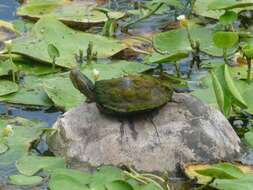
x: 184, y: 130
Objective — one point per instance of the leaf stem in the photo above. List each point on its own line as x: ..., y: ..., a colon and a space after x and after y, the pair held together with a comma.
x: 150, y: 13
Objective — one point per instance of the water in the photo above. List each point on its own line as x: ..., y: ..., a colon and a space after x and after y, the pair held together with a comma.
x: 8, y: 9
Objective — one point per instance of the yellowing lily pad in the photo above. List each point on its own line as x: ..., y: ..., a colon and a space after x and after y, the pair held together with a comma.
x: 80, y: 14
x: 190, y: 170
x: 49, y: 30
x: 7, y: 87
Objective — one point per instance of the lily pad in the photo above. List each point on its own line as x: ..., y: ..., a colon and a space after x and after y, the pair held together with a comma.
x: 7, y: 87
x: 190, y: 170
x: 79, y: 14
x: 25, y: 180
x: 30, y: 93
x: 175, y: 41
x: 19, y: 143
x: 105, y: 175
x: 64, y: 182
x: 48, y: 30
x: 61, y: 91
x: 68, y: 179
x: 30, y: 165
x: 203, y: 7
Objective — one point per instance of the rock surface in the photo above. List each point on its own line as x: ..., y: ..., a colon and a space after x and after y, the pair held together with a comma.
x: 184, y: 130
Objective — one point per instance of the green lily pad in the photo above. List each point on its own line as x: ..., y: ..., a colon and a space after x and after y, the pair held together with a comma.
x: 229, y: 4
x: 105, y: 175
x: 73, y: 13
x: 25, y: 180
x: 61, y: 91
x: 30, y: 165
x: 243, y: 183
x: 203, y: 7
x: 19, y: 143
x: 68, y: 179
x: 48, y: 30
x: 65, y: 182
x: 30, y: 93
x: 119, y: 184
x: 175, y: 41
x: 3, y: 148
x: 6, y: 68
x: 114, y: 69
x: 7, y: 87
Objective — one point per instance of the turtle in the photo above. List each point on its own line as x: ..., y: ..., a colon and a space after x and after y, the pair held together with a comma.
x: 126, y: 95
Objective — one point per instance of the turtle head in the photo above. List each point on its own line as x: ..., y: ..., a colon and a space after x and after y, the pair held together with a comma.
x: 83, y: 84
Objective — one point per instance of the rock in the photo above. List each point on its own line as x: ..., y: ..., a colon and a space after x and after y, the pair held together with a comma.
x: 184, y: 130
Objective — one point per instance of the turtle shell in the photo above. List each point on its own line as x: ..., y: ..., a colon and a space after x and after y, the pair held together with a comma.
x: 131, y: 94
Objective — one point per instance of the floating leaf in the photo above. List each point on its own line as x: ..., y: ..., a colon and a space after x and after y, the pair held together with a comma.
x: 78, y: 14
x: 119, y: 184
x: 25, y: 180
x: 105, y: 175
x: 30, y: 93
x: 30, y: 165
x: 225, y: 40
x: 229, y: 4
x: 61, y: 91
x: 191, y: 169
x: 48, y: 30
x: 222, y: 171
x: 175, y: 41
x: 7, y: 87
x: 19, y: 143
x: 243, y: 183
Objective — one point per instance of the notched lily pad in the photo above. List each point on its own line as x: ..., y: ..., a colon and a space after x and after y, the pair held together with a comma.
x: 48, y: 30
x: 79, y: 14
x: 30, y: 165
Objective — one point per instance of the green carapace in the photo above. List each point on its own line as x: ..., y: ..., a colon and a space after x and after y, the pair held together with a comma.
x: 126, y: 95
